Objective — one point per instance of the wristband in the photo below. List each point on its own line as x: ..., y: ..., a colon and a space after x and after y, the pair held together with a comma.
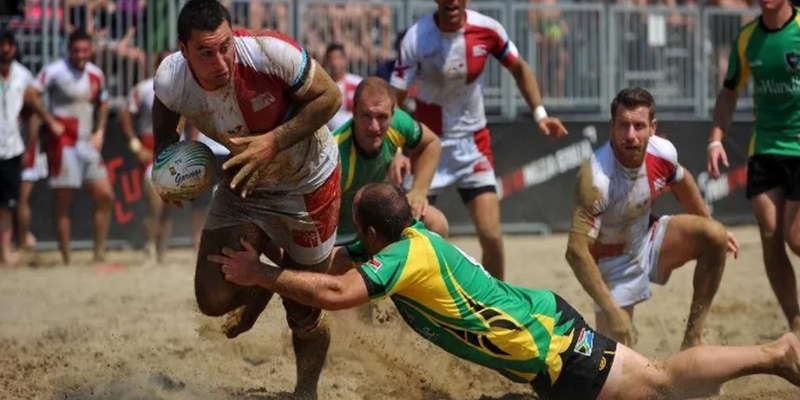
x: 715, y: 143
x: 539, y: 113
x: 135, y: 145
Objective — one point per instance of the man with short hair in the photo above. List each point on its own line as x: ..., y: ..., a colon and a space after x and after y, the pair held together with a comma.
x: 446, y: 53
x: 367, y: 145
x: 528, y: 336
x: 16, y: 93
x: 336, y: 65
x: 617, y: 246
x: 262, y: 96
x: 768, y: 48
x: 78, y: 99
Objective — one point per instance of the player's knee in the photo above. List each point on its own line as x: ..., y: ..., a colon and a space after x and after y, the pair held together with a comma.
x: 436, y: 222
x: 492, y: 237
x: 211, y: 305
x: 302, y: 319
x: 794, y: 243
x: 715, y: 235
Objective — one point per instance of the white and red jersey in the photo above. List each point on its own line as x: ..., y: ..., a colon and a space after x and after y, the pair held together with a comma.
x: 269, y: 69
x: 449, y: 69
x: 73, y: 95
x: 347, y: 86
x: 620, y: 215
x: 13, y: 86
x: 140, y: 104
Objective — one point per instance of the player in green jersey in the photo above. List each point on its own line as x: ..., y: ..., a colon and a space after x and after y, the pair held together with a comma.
x: 768, y: 49
x: 529, y: 336
x: 367, y: 145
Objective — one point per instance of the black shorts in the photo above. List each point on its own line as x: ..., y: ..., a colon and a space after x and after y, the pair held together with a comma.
x: 586, y: 363
x: 10, y: 180
x: 769, y: 171
x: 467, y: 195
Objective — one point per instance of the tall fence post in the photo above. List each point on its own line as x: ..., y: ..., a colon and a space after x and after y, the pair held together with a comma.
x: 508, y: 93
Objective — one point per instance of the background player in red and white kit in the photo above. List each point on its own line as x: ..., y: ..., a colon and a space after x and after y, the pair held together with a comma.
x: 336, y: 64
x: 267, y: 101
x: 446, y: 53
x: 16, y: 94
x: 78, y: 99
x: 617, y: 246
x: 136, y: 121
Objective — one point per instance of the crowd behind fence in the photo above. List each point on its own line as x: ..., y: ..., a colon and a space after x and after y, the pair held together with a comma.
x: 581, y: 51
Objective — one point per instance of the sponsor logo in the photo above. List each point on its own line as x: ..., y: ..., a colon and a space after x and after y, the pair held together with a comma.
x: 755, y: 63
x: 307, y: 239
x: 781, y: 87
x: 585, y: 343
x: 792, y: 60
x: 479, y: 50
x: 180, y: 178
x: 375, y: 264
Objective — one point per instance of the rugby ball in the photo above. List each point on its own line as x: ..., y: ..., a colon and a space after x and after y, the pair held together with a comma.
x: 184, y: 170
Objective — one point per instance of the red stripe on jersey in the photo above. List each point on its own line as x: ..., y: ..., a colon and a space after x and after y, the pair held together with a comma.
x: 95, y: 83
x: 430, y: 115
x: 659, y: 172
x: 483, y: 141
x: 266, y: 33
x: 349, y: 93
x: 262, y: 98
x: 480, y: 42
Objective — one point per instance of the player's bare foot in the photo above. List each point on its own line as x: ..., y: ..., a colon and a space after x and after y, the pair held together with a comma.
x: 786, y: 351
x: 30, y: 241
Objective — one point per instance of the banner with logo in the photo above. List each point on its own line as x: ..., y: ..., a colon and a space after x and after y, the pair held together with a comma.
x: 536, y: 178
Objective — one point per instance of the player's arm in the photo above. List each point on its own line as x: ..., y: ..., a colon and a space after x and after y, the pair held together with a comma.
x: 330, y: 292
x: 165, y: 126
x: 504, y: 50
x: 101, y: 115
x: 588, y: 208
x: 317, y: 106
x: 735, y: 81
x: 125, y: 117
x: 426, y: 157
x: 405, y: 68
x: 688, y: 195
x: 585, y: 220
x: 33, y: 102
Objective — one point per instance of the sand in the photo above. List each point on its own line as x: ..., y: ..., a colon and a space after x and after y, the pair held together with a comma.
x: 128, y: 332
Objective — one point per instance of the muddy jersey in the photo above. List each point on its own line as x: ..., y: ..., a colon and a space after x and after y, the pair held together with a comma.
x: 448, y: 67
x: 614, y: 203
x: 12, y: 97
x: 140, y: 104
x: 269, y: 69
x: 448, y: 297
x: 73, y: 95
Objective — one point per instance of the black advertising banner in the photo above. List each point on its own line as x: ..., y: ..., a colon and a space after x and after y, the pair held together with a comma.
x: 536, y: 176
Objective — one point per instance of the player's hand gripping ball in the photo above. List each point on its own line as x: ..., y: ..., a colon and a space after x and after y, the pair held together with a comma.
x: 184, y: 170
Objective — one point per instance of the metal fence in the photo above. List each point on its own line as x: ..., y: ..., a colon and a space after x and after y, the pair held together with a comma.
x: 582, y: 53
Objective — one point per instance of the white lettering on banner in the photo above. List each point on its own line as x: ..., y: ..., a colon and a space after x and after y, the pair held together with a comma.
x: 564, y: 159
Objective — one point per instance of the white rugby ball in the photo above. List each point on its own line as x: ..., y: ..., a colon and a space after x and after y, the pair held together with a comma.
x: 184, y: 170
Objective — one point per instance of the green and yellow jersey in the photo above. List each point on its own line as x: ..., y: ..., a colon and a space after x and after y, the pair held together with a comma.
x: 359, y: 169
x: 447, y: 297
x: 772, y: 58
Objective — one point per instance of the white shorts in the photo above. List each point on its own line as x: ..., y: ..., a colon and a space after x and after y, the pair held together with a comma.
x: 79, y: 164
x: 303, y: 225
x: 38, y: 170
x: 465, y: 161
x: 628, y: 276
